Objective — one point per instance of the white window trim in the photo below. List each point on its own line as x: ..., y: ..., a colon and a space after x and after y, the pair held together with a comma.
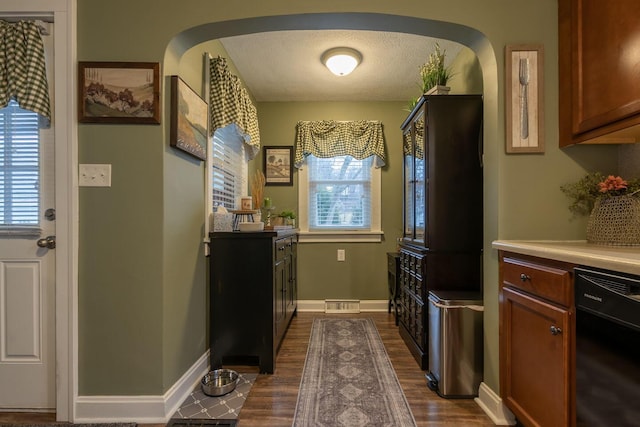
x: 305, y: 236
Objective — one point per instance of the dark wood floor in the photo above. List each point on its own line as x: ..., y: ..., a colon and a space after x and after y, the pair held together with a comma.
x: 272, y: 399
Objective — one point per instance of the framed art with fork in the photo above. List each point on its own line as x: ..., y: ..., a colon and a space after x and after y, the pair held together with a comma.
x: 524, y: 98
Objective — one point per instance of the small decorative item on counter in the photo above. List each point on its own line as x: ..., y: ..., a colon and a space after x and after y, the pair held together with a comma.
x: 267, y: 203
x: 221, y: 220
x: 613, y: 205
x: 246, y: 203
x: 257, y: 188
x: 289, y: 218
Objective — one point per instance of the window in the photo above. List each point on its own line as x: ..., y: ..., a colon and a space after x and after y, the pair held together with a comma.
x: 228, y: 168
x: 339, y: 199
x: 20, y: 170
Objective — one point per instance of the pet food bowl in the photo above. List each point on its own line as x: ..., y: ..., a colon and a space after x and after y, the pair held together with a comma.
x: 251, y: 226
x: 219, y: 382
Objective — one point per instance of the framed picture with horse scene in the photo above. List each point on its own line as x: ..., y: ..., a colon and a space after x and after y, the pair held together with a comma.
x: 277, y: 162
x: 119, y: 92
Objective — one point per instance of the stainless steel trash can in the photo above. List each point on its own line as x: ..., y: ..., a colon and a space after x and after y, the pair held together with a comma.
x: 456, y: 346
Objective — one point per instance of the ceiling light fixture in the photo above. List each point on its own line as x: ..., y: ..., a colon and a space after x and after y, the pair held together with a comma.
x: 341, y: 60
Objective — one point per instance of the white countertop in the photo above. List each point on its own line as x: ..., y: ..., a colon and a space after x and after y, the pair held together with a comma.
x: 617, y: 258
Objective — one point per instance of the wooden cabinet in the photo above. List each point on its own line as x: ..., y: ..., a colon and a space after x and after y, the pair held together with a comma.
x: 393, y: 276
x: 412, y: 298
x: 441, y: 246
x: 537, y: 340
x: 253, y: 295
x: 442, y: 156
x: 599, y: 88
x: 285, y: 284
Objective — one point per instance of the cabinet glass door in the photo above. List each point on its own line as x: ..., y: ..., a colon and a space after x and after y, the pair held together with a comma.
x: 407, y: 149
x: 420, y: 155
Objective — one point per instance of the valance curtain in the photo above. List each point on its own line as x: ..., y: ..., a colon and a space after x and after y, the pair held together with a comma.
x: 328, y: 138
x: 230, y: 104
x: 22, y: 67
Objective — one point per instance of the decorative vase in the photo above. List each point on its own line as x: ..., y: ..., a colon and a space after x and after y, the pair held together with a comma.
x: 438, y: 90
x: 615, y: 221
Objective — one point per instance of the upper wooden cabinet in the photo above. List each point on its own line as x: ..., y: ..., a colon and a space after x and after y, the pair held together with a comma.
x: 599, y: 71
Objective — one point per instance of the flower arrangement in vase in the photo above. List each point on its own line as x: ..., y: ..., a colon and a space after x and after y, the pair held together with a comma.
x: 434, y: 73
x: 613, y: 206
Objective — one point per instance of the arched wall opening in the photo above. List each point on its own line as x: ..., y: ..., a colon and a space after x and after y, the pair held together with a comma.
x: 493, y: 133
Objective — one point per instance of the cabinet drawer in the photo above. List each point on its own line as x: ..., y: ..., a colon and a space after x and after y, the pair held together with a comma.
x: 545, y: 281
x: 282, y: 248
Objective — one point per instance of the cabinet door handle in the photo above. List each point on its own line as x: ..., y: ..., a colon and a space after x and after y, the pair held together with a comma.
x: 524, y: 277
x: 555, y: 330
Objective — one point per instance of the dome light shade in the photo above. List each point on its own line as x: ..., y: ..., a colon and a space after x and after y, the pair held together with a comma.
x: 341, y: 60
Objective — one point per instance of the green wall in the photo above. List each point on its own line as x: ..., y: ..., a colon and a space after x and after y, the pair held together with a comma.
x: 363, y: 273
x: 142, y: 270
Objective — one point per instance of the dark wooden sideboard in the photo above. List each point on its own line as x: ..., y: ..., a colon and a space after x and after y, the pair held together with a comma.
x: 253, y: 295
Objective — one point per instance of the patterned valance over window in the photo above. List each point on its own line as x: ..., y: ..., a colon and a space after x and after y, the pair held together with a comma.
x: 230, y: 104
x: 328, y: 138
x: 22, y: 67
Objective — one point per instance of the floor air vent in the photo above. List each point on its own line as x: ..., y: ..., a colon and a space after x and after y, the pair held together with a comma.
x: 342, y: 306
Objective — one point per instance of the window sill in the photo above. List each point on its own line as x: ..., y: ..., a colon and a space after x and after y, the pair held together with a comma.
x: 340, y: 236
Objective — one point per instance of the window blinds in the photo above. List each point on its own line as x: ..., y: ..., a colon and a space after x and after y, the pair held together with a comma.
x: 19, y: 173
x: 339, y: 193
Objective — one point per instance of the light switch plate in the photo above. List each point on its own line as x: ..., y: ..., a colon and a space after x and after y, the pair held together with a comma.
x: 341, y: 255
x: 94, y: 175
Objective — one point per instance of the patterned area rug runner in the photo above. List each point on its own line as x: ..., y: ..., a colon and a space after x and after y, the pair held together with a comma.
x: 348, y: 379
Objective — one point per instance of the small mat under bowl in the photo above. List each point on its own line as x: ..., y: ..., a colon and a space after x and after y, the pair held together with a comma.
x: 199, y: 407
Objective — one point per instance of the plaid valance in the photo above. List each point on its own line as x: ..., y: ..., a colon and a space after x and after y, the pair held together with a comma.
x: 22, y: 67
x: 230, y: 104
x: 328, y: 138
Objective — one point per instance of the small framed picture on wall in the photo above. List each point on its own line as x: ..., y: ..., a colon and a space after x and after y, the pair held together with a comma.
x: 277, y: 163
x: 524, y: 98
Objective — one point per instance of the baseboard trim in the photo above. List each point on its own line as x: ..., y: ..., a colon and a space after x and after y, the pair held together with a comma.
x: 492, y: 405
x: 365, y: 305
x: 141, y: 409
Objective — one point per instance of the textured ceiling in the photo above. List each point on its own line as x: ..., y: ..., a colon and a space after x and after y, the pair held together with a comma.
x: 285, y: 65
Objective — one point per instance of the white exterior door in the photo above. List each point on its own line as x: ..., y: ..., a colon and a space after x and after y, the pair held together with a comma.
x: 27, y: 292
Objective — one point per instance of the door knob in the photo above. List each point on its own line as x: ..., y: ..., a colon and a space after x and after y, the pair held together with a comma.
x: 555, y: 330
x: 48, y: 242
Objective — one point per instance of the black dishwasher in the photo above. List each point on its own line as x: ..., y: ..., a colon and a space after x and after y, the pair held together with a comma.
x: 607, y: 348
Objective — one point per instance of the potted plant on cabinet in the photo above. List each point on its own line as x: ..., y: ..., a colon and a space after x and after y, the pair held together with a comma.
x: 288, y: 217
x: 435, y: 74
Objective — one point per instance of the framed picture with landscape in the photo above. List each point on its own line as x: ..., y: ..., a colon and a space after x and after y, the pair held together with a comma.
x: 277, y: 162
x: 119, y: 92
x: 189, y: 119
